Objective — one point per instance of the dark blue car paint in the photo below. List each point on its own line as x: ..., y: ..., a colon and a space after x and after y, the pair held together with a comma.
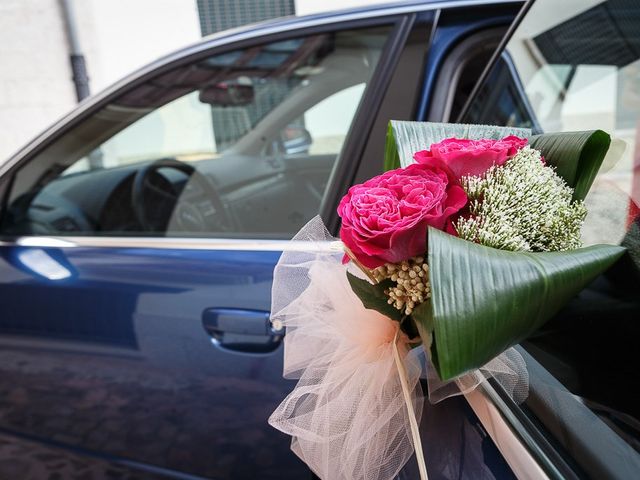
x: 447, y: 35
x: 106, y: 357
x: 156, y: 390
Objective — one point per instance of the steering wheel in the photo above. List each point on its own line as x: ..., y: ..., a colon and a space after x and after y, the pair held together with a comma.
x: 189, y: 216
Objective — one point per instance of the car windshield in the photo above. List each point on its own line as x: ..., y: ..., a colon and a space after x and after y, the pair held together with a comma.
x: 575, y: 65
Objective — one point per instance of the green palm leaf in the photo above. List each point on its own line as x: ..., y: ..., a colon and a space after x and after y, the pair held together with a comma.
x: 486, y: 300
x: 577, y: 156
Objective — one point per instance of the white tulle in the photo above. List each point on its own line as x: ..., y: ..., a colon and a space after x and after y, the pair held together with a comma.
x: 508, y: 369
x: 347, y: 414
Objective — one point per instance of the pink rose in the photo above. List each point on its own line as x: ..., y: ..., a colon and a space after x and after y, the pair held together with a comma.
x: 385, y: 219
x: 471, y: 157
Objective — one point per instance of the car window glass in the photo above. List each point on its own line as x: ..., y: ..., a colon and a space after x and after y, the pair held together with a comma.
x: 327, y: 130
x: 182, y: 128
x: 239, y: 144
x: 575, y: 65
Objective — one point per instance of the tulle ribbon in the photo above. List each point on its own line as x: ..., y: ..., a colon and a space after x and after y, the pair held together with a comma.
x: 355, y: 411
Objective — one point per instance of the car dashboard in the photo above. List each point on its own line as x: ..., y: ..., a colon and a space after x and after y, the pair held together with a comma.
x: 228, y: 196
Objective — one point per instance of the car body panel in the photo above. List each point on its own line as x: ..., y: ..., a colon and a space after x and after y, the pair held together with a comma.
x: 114, y: 358
x: 150, y: 391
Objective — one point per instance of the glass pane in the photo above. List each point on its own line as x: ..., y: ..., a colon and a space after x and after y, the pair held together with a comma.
x: 239, y: 144
x: 575, y: 65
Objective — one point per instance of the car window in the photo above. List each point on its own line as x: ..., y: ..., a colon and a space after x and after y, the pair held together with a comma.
x: 240, y: 144
x: 575, y: 65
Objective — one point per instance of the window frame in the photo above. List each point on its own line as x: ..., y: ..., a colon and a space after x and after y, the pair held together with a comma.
x: 346, y: 164
x: 495, y: 58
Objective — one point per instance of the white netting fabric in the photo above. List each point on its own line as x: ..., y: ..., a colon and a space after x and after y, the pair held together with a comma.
x: 508, y: 369
x: 347, y: 415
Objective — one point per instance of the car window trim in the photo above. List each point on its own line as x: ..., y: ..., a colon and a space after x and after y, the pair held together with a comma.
x: 177, y: 243
x: 546, y: 455
x: 400, y: 27
x: 495, y: 58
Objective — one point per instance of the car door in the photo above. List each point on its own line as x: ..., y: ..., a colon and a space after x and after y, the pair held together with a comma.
x: 139, y: 242
x: 579, y: 69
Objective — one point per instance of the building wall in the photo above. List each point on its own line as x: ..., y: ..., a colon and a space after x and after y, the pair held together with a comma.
x: 217, y: 15
x: 120, y: 36
x: 117, y: 37
x: 34, y: 77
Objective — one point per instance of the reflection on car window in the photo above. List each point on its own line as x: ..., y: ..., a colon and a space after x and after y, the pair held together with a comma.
x: 181, y: 129
x: 239, y: 144
x: 575, y: 65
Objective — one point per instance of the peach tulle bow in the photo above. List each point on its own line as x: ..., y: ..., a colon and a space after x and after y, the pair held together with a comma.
x: 347, y: 415
x: 355, y: 411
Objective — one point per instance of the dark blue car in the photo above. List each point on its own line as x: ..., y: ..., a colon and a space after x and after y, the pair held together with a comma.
x: 139, y: 236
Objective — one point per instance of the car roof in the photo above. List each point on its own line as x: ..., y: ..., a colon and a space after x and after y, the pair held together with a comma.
x: 354, y: 13
x: 376, y: 9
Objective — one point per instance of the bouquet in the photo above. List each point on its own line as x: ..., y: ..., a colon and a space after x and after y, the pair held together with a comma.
x: 463, y: 248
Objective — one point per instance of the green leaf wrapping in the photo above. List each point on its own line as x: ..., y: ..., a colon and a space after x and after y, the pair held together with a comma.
x: 577, y: 156
x: 391, y: 158
x: 486, y: 300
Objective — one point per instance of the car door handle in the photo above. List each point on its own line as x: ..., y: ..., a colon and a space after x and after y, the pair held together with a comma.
x: 241, y: 330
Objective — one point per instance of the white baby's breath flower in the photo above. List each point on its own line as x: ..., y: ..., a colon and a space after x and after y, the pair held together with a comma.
x: 522, y: 205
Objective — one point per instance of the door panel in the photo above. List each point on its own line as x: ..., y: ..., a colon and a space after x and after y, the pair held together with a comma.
x: 161, y: 393
x: 114, y: 358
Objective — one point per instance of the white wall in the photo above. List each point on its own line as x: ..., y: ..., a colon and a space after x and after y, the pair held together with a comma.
x: 117, y: 37
x: 306, y: 7
x: 35, y: 85
x: 120, y: 36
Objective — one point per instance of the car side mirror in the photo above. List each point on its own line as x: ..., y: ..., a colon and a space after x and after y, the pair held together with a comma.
x: 295, y: 139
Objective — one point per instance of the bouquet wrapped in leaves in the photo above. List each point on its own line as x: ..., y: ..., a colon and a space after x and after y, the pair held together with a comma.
x: 464, y: 247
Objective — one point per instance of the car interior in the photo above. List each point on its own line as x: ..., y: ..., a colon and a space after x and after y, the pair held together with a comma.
x: 239, y: 184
